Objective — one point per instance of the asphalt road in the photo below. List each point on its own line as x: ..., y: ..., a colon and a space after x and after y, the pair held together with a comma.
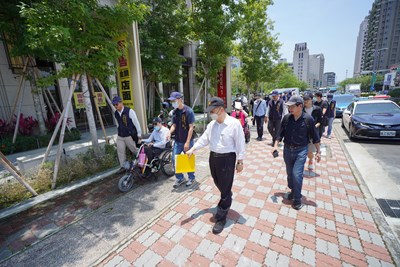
x: 378, y: 163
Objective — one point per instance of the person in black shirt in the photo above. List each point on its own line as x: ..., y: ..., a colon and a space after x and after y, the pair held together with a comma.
x: 324, y: 106
x: 297, y: 129
x: 316, y: 113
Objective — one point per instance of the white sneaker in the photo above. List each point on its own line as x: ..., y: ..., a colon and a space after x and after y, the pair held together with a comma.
x: 329, y: 137
x: 178, y: 183
x: 189, y: 182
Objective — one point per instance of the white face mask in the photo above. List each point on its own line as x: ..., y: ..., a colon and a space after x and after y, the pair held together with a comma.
x: 214, y: 116
x: 175, y: 104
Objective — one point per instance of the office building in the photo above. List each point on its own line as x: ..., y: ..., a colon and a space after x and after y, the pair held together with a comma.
x: 300, y: 61
x: 329, y: 79
x: 360, y: 47
x: 316, y: 70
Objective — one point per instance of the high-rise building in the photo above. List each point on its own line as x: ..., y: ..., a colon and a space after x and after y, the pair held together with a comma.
x: 316, y: 65
x: 383, y: 36
x: 329, y: 79
x: 360, y: 48
x: 300, y: 61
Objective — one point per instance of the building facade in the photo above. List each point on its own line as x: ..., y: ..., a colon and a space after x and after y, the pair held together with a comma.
x: 316, y: 70
x: 383, y: 36
x: 360, y: 47
x: 300, y: 61
x: 329, y: 79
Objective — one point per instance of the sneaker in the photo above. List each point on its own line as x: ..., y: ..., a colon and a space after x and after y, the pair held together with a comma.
x: 219, y: 226
x: 189, y: 182
x: 178, y: 183
x: 329, y: 136
x: 297, y: 205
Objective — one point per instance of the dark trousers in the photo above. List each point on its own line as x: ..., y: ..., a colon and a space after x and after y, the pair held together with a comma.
x: 222, y: 169
x: 151, y: 153
x: 295, y: 158
x: 273, y: 128
x: 260, y: 125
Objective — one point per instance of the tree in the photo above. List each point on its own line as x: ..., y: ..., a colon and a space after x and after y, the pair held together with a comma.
x: 284, y: 78
x: 365, y: 82
x: 257, y: 47
x: 215, y: 24
x: 162, y: 34
x: 81, y: 36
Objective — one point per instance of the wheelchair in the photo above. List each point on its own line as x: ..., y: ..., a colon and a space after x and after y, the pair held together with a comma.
x: 137, y: 168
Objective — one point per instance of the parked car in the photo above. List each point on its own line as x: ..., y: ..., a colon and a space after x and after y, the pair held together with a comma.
x: 372, y: 119
x: 342, y: 102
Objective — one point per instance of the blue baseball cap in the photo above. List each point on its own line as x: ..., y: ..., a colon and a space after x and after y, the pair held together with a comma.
x: 116, y: 100
x: 174, y: 96
x: 274, y: 93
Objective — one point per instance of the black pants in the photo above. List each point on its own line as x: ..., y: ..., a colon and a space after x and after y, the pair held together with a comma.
x: 273, y: 128
x: 151, y: 153
x: 260, y: 125
x: 222, y: 169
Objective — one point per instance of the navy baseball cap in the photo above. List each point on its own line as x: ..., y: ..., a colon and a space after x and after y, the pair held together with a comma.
x: 215, y: 102
x: 274, y: 93
x: 330, y: 96
x: 174, y: 96
x: 116, y: 100
x: 156, y: 120
x: 295, y: 100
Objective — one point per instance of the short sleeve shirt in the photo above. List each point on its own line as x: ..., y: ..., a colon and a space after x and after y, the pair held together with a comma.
x: 182, y: 118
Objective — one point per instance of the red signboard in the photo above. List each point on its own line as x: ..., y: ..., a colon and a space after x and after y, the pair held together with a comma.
x: 221, y: 91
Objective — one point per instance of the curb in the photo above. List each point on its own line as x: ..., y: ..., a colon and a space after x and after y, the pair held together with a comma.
x: 391, y: 241
x: 7, y: 212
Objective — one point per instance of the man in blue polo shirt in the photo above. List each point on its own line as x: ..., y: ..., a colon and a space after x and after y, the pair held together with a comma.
x: 297, y: 130
x: 183, y: 126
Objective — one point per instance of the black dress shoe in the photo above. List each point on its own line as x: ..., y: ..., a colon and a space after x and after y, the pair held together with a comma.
x: 297, y: 205
x: 219, y: 226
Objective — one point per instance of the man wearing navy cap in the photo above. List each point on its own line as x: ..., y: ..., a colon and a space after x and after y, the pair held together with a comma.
x: 225, y: 137
x: 297, y: 130
x: 129, y: 131
x: 182, y: 126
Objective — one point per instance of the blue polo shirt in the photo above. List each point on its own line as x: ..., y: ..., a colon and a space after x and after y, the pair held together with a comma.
x: 296, y: 133
x: 182, y: 118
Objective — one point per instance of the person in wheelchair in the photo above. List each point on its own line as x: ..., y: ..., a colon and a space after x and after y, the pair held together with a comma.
x: 157, y: 141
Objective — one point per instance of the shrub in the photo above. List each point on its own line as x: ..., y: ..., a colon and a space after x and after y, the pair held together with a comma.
x: 198, y: 109
x: 72, y: 169
x: 395, y: 93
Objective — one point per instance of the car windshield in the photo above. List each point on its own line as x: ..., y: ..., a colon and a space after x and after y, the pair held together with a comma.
x: 377, y: 108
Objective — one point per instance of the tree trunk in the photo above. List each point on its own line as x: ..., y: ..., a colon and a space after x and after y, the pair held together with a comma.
x: 89, y: 113
x: 36, y: 92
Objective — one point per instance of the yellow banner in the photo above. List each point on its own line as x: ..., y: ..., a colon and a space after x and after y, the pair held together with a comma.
x: 100, y: 99
x: 124, y: 76
x: 79, y: 101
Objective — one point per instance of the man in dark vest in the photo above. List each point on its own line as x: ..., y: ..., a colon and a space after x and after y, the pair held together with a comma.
x: 275, y: 111
x: 129, y: 131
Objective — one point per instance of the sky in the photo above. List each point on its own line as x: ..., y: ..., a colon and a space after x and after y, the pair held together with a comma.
x: 329, y: 27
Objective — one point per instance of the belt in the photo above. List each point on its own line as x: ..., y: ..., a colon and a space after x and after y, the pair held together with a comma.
x: 294, y: 146
x: 221, y: 155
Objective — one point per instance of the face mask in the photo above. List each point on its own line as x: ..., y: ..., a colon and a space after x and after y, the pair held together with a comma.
x: 175, y: 104
x: 157, y: 128
x: 214, y: 116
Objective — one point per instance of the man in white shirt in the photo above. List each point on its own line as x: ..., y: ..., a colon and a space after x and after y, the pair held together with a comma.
x: 225, y: 137
x: 156, y: 141
x: 129, y: 131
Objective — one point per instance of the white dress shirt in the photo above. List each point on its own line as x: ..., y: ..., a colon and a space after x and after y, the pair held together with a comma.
x: 158, y: 137
x: 133, y: 117
x: 224, y: 137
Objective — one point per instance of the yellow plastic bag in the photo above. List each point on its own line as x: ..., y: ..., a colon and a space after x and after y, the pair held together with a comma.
x: 185, y: 164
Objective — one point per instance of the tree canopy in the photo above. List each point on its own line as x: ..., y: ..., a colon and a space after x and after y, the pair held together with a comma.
x: 365, y: 82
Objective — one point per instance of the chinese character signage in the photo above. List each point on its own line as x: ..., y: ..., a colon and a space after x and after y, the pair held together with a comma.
x: 124, y: 76
x: 79, y: 101
x: 221, y: 90
x: 100, y: 99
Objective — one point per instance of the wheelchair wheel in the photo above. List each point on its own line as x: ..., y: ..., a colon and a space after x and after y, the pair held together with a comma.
x: 126, y: 182
x: 167, y: 166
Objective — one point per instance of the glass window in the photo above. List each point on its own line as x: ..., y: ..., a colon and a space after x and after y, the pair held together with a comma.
x: 377, y: 108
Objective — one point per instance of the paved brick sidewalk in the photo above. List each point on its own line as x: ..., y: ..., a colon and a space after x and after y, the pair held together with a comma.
x: 335, y: 228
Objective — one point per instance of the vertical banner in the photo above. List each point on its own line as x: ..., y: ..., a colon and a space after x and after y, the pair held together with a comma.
x: 79, y: 101
x: 221, y: 92
x: 124, y: 76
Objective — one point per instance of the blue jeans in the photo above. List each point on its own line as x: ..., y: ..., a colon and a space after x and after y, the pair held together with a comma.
x: 330, y: 124
x: 294, y: 161
x: 178, y: 149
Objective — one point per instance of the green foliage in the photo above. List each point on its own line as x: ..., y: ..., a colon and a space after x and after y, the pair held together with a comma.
x: 395, y: 93
x: 257, y: 47
x: 81, y: 35
x: 82, y: 166
x: 284, y: 78
x: 198, y: 109
x: 365, y: 82
x: 164, y: 31
x: 215, y: 24
x: 26, y: 143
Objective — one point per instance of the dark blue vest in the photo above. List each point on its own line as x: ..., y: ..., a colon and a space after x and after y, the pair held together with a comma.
x: 275, y: 110
x: 330, y: 111
x: 125, y: 124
